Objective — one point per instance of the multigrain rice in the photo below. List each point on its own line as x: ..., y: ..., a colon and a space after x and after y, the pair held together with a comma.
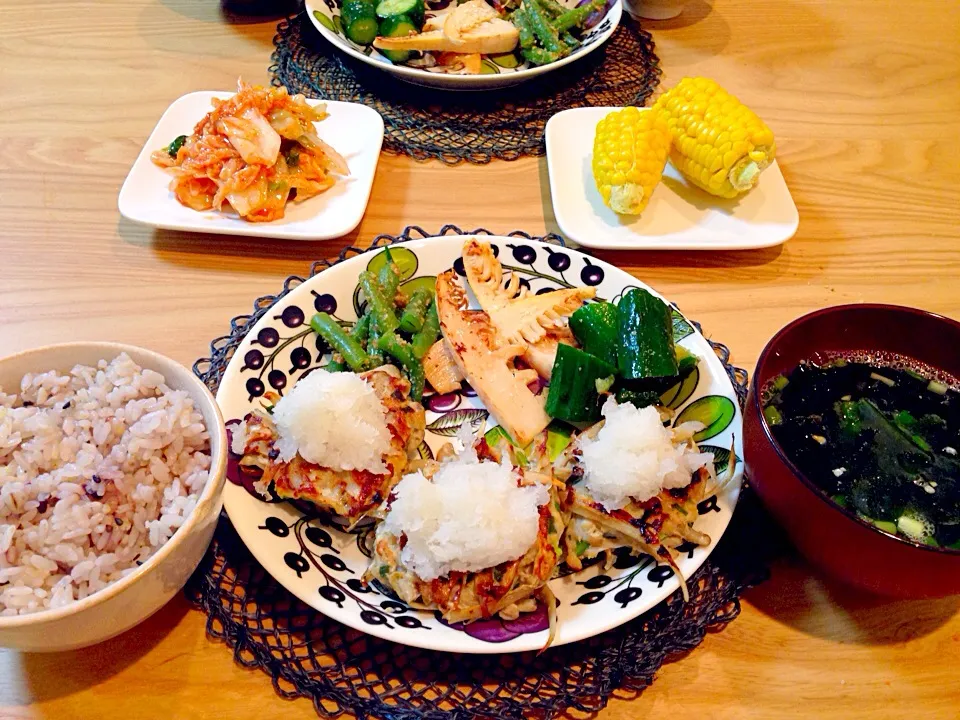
x: 98, y: 469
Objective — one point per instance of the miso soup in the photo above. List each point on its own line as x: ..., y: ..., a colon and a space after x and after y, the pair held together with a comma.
x: 879, y: 437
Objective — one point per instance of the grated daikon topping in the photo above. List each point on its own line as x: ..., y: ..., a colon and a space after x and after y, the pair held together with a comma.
x: 334, y: 420
x: 471, y: 516
x: 634, y: 456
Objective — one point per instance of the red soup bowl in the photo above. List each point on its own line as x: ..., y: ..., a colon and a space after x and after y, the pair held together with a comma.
x: 833, y: 538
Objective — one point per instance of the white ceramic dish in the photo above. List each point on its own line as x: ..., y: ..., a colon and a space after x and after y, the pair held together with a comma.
x: 129, y: 601
x: 322, y: 565
x: 680, y: 216
x: 355, y: 131
x: 325, y: 16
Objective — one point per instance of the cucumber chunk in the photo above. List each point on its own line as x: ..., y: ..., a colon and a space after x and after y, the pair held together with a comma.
x: 359, y: 21
x: 573, y: 392
x: 397, y: 26
x: 414, y: 10
x: 645, y: 324
x: 595, y: 326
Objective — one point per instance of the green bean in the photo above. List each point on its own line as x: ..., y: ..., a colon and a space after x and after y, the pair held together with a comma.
x: 577, y: 16
x: 382, y: 316
x: 334, y: 335
x: 553, y: 8
x: 522, y: 22
x: 361, y: 332
x: 413, y: 315
x: 389, y: 277
x: 361, y: 329
x: 428, y: 334
x: 539, y: 56
x: 402, y: 351
x: 569, y: 40
x: 335, y: 366
x: 545, y: 32
x: 376, y: 357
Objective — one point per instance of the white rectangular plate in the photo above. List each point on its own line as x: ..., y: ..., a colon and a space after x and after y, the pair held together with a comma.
x: 680, y: 216
x: 355, y: 131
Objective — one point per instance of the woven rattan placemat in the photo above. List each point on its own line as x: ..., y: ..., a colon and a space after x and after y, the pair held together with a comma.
x: 475, y: 127
x: 344, y: 672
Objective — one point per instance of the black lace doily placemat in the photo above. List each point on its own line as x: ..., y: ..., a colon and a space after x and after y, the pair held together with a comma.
x: 456, y: 126
x: 346, y: 673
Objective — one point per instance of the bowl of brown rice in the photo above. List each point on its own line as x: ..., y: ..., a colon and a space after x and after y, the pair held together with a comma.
x: 112, y: 465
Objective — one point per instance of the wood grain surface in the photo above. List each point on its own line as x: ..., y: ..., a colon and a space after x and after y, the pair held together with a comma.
x: 864, y: 96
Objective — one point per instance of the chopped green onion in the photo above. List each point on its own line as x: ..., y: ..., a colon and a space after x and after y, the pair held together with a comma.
x: 559, y: 436
x: 849, y: 418
x: 937, y: 387
x: 913, y: 526
x: 772, y: 415
x: 174, y: 147
x: 880, y: 378
x: 904, y: 419
x: 604, y: 384
x: 521, y: 457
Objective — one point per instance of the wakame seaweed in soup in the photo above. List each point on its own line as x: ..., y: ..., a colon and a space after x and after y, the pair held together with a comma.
x: 882, y: 441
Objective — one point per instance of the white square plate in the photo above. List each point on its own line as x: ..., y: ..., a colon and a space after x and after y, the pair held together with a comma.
x: 680, y: 216
x: 355, y: 131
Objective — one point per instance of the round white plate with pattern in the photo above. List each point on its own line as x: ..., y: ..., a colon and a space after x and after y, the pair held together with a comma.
x: 323, y: 566
x: 496, y: 72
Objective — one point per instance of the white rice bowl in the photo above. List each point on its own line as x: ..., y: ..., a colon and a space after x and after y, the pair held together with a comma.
x: 99, y: 467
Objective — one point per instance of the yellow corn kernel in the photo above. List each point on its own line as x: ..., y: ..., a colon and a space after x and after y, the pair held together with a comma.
x: 718, y: 143
x: 630, y: 148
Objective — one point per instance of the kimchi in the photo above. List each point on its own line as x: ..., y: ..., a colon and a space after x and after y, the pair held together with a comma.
x: 254, y: 152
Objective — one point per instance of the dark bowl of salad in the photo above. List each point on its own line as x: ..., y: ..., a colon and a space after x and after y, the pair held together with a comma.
x: 852, y: 441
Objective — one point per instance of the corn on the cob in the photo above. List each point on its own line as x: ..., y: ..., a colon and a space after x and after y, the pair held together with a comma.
x: 629, y: 151
x: 719, y: 144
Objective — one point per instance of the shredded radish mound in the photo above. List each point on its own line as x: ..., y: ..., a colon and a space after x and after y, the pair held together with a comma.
x: 634, y: 456
x: 334, y: 420
x: 470, y: 517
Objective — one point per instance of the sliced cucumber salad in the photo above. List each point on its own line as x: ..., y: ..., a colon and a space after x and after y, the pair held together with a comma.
x: 365, y: 20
